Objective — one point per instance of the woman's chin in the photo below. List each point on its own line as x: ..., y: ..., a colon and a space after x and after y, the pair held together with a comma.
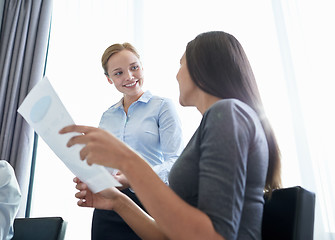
x: 182, y: 103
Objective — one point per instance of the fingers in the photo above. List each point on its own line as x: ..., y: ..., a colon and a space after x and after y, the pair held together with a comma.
x: 81, y: 194
x: 89, y: 161
x: 81, y: 186
x: 76, y: 128
x: 82, y: 203
x: 80, y: 139
x: 83, y: 153
x: 76, y: 180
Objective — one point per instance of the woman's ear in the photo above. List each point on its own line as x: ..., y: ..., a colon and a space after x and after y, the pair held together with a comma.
x: 109, y: 80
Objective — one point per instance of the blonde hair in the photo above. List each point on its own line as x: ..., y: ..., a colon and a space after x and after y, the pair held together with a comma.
x: 115, y: 48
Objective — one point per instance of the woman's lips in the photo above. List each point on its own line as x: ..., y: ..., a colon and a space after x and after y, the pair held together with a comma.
x: 130, y: 84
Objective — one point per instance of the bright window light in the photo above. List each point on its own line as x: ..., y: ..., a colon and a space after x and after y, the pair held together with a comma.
x: 82, y: 29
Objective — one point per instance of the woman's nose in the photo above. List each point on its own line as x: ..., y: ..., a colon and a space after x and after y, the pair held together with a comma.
x: 130, y: 75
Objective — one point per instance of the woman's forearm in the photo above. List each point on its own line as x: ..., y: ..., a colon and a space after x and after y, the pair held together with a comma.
x: 173, y: 216
x: 142, y: 224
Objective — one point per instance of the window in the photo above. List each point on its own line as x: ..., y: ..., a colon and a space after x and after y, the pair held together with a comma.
x: 82, y: 29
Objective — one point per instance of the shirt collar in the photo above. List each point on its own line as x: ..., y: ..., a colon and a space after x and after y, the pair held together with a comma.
x: 146, y: 96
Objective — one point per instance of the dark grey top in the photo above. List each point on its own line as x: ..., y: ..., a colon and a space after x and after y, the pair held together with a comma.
x: 223, y: 168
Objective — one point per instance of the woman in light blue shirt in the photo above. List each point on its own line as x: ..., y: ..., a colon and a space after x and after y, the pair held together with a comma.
x: 148, y: 124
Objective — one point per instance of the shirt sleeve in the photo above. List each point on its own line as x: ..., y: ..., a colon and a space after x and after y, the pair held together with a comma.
x: 171, y: 138
x: 10, y: 197
x: 225, y: 138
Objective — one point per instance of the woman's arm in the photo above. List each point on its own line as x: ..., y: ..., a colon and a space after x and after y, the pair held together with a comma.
x: 174, y: 217
x: 113, y: 199
x: 170, y: 138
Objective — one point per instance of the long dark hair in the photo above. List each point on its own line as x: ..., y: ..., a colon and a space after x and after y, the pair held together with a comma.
x: 219, y: 66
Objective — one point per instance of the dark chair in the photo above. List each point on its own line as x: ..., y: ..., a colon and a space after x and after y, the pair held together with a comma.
x: 289, y: 215
x: 50, y: 228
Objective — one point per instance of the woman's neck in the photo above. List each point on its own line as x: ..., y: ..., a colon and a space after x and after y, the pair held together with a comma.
x: 205, y: 101
x: 128, y: 100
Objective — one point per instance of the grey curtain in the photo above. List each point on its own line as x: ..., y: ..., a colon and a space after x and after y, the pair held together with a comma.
x: 23, y: 50
x: 2, y: 4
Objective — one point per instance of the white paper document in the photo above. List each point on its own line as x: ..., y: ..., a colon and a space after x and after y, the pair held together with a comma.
x: 46, y: 114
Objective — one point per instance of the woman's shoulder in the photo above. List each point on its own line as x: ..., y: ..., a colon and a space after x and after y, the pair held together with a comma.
x: 162, y: 101
x: 5, y: 167
x: 158, y: 98
x: 230, y: 111
x: 229, y: 102
x: 231, y: 105
x: 116, y: 105
x: 230, y: 116
x: 7, y: 173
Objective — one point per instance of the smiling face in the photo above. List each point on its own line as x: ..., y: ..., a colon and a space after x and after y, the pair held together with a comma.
x: 126, y: 73
x: 187, y: 88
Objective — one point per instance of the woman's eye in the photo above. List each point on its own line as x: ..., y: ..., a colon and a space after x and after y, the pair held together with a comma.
x: 134, y: 68
x: 118, y: 73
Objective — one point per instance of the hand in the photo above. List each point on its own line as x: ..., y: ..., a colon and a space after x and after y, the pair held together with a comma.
x: 106, y: 199
x: 122, y: 179
x: 100, y: 147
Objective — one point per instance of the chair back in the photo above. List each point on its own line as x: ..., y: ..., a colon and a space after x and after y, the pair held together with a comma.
x: 51, y: 228
x: 289, y: 215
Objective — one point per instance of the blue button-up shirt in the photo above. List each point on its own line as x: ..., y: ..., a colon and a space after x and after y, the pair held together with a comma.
x: 152, y: 128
